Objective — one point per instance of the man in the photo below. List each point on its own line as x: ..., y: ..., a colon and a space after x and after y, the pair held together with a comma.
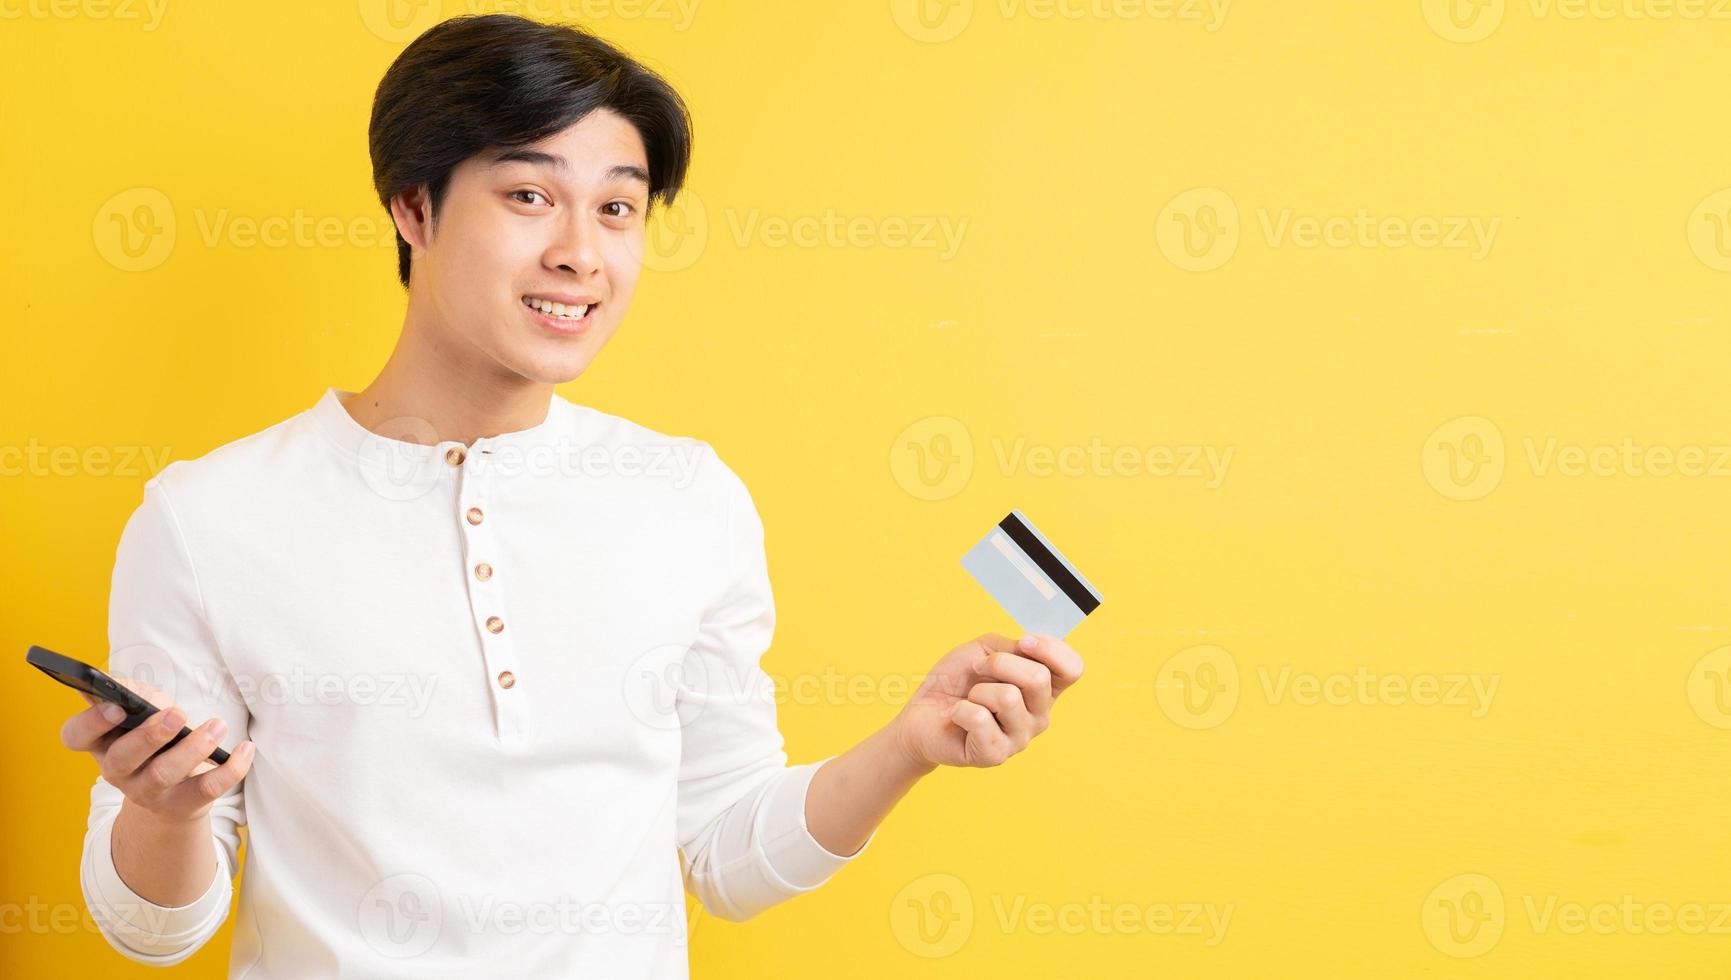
x: 498, y: 653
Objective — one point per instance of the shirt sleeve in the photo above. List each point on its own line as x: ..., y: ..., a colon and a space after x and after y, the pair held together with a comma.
x: 157, y: 632
x: 741, y: 815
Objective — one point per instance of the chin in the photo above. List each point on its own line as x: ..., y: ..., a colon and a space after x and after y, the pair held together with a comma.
x: 556, y: 369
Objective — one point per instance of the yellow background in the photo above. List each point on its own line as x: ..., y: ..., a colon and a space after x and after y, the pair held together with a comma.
x: 1066, y: 318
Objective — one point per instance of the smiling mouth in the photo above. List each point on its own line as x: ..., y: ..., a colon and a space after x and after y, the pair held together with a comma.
x: 558, y: 311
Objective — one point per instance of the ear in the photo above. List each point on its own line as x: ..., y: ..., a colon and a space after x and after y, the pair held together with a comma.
x: 413, y: 217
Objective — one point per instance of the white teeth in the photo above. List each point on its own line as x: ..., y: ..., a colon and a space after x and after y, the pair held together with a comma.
x: 556, y: 309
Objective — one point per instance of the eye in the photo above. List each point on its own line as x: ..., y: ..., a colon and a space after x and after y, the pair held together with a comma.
x: 516, y: 195
x: 629, y: 208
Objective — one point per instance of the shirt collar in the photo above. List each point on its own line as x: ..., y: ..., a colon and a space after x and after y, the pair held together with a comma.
x: 409, y: 438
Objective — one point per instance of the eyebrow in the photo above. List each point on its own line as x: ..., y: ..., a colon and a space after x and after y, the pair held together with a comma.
x: 542, y: 159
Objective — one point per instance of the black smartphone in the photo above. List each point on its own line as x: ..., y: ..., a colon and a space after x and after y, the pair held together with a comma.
x: 81, y: 676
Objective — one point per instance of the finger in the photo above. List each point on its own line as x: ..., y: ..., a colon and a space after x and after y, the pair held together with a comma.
x: 171, y: 768
x: 1064, y: 663
x: 987, y: 644
x: 144, y: 689
x: 133, y: 749
x: 87, y: 729
x: 1005, y: 701
x: 986, y: 745
x: 210, y: 785
x: 1032, y: 676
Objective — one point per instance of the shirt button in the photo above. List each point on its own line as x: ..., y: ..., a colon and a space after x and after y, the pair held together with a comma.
x: 483, y: 571
x: 454, y: 456
x: 495, y: 624
x: 507, y: 679
x: 474, y: 515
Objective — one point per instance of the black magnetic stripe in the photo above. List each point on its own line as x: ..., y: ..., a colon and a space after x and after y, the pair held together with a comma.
x: 1049, y: 564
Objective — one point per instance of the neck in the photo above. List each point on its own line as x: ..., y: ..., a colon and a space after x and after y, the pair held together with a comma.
x: 460, y: 394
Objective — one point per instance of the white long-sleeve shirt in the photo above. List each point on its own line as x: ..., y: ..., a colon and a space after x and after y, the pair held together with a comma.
x: 496, y: 690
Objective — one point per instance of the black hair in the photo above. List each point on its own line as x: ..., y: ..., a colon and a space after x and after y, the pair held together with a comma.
x: 476, y: 84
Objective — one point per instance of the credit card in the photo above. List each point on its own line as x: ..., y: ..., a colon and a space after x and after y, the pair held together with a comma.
x: 1035, y: 584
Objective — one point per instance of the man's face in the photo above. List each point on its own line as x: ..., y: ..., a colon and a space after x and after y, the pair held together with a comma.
x: 560, y: 221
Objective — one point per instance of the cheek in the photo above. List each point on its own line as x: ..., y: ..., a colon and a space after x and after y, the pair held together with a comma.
x: 478, y: 244
x: 624, y: 265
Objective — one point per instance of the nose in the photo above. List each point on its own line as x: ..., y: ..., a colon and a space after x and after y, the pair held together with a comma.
x: 576, y: 247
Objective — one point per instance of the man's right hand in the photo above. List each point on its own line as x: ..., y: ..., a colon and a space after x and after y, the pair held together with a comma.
x: 177, y: 786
